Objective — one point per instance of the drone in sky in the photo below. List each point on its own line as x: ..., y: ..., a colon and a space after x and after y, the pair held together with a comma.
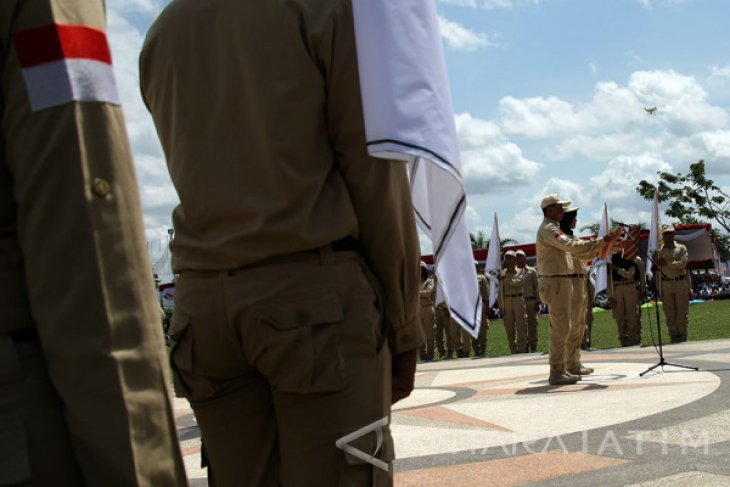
x: 650, y: 111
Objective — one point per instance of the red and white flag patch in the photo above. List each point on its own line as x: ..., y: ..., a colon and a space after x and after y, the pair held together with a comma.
x: 63, y: 63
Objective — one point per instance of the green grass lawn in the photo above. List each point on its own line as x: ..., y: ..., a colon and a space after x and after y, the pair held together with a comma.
x: 707, y: 321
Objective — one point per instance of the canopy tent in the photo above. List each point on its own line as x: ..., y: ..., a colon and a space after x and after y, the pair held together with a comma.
x: 697, y: 238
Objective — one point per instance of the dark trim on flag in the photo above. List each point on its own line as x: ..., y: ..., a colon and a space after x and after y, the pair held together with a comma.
x: 454, y: 216
x: 413, y: 146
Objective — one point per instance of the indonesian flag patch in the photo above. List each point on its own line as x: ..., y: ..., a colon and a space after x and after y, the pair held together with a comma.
x: 63, y: 63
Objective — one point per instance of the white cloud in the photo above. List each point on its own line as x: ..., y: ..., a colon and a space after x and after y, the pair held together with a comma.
x: 593, y: 67
x: 616, y: 185
x: 460, y: 38
x: 125, y: 39
x: 615, y: 115
x: 681, y: 101
x: 634, y: 58
x: 490, y: 161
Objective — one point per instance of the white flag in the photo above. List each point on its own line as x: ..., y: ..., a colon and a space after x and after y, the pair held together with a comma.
x: 409, y: 116
x: 493, y: 264
x: 654, y: 233
x: 599, y: 268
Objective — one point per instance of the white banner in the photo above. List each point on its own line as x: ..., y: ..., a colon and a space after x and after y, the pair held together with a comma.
x: 409, y: 116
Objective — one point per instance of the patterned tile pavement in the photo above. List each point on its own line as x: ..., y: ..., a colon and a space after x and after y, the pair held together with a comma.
x: 496, y: 421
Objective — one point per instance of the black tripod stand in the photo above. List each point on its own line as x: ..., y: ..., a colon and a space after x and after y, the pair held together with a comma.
x: 661, y: 362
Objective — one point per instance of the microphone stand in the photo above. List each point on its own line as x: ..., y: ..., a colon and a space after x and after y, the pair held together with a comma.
x: 662, y: 363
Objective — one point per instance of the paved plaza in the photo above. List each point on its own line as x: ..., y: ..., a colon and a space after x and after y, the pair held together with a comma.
x: 496, y: 421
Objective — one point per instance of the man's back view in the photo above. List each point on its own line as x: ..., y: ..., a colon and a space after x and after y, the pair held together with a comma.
x: 292, y: 245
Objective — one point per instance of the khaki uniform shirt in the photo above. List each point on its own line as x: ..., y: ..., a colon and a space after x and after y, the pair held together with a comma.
x: 675, y: 260
x: 265, y: 143
x: 511, y: 284
x: 483, y: 283
x: 428, y: 292
x: 73, y: 260
x: 554, y: 249
x: 530, y: 283
x: 629, y: 275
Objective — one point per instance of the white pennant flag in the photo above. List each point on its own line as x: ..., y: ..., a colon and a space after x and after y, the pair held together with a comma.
x: 409, y: 116
x: 600, y: 267
x: 493, y: 264
x: 654, y: 233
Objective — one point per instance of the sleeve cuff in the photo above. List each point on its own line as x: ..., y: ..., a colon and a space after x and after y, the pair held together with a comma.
x: 406, y: 337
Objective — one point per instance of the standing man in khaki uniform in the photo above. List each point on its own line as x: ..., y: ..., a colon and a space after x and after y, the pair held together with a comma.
x: 480, y: 343
x: 626, y: 281
x: 512, y: 304
x: 427, y: 298
x: 578, y: 299
x: 297, y: 252
x: 442, y: 332
x: 674, y: 285
x: 530, y: 293
x: 83, y: 391
x: 556, y: 270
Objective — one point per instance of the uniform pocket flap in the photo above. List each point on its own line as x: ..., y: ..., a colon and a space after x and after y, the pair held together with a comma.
x: 14, y: 462
x: 317, y: 311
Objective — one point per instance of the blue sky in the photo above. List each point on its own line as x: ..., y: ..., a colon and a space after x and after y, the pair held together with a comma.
x: 548, y: 97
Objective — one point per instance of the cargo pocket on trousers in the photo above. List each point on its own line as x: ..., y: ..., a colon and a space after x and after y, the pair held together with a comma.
x: 298, y: 347
x: 181, y: 352
x: 14, y: 459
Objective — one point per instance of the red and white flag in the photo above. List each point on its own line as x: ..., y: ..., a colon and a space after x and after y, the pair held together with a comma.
x: 63, y: 63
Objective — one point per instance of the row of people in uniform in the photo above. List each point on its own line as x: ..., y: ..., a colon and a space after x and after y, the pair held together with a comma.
x: 517, y: 300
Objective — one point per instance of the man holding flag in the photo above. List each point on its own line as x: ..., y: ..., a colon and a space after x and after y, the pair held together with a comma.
x: 555, y: 267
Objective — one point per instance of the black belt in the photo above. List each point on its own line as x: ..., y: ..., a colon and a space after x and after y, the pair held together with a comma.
x: 513, y: 295
x: 678, y: 278
x: 531, y: 298
x: 570, y: 276
x: 24, y: 335
x: 342, y: 245
x: 623, y: 283
x: 346, y: 244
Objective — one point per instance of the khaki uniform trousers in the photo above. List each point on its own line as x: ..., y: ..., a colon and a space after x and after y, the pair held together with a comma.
x: 531, y: 313
x: 280, y: 360
x: 515, y: 323
x: 675, y: 299
x: 428, y: 318
x: 460, y: 339
x: 35, y: 442
x: 442, y: 331
x: 626, y: 312
x: 480, y: 343
x: 577, y: 331
x: 555, y: 292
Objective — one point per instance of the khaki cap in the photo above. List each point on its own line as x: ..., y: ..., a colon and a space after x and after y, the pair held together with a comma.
x: 510, y: 253
x: 551, y: 199
x: 568, y: 206
x: 520, y: 252
x: 668, y: 229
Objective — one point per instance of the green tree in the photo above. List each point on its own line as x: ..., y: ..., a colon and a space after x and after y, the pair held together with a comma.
x: 693, y: 198
x: 479, y: 240
x: 690, y: 196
